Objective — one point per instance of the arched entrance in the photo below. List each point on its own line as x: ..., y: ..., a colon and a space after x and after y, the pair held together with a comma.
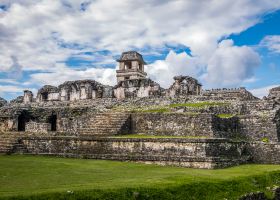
x: 52, y: 120
x: 23, y: 118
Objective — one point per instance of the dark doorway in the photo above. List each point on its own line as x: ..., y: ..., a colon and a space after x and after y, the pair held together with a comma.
x: 276, y: 120
x: 45, y: 96
x: 23, y: 118
x: 52, y: 120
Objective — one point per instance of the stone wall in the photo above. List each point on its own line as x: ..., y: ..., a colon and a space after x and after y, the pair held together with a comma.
x: 197, y: 153
x: 265, y: 152
x: 258, y: 127
x: 2, y: 102
x: 227, y: 94
x: 184, y: 124
x: 184, y: 86
x: 137, y: 88
x: 35, y: 127
x: 175, y: 124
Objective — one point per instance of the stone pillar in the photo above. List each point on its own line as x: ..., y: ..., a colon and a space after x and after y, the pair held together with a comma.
x: 121, y: 66
x: 134, y: 65
x: 28, y: 96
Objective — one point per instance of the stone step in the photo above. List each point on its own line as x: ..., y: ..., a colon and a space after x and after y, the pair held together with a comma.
x: 104, y: 124
x: 109, y: 116
x: 116, y: 126
x: 99, y: 132
x: 105, y: 120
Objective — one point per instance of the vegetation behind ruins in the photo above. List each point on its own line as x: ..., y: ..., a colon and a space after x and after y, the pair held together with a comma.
x: 61, y: 178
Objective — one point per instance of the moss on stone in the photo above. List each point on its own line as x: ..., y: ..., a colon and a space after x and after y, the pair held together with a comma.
x: 198, y: 104
x: 224, y: 115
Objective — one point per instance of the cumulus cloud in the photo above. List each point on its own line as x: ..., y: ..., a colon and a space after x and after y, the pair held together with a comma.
x: 230, y: 65
x: 263, y: 91
x: 174, y: 64
x: 63, y: 73
x: 271, y: 42
x: 41, y: 34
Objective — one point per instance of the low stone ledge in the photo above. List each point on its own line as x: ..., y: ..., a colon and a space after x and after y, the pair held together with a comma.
x: 116, y: 139
x: 254, y: 196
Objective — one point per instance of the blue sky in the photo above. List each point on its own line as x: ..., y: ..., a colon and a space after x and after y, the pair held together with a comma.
x: 221, y: 43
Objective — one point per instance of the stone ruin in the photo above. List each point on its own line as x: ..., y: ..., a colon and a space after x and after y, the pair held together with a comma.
x: 132, y: 82
x: 183, y: 86
x: 183, y: 125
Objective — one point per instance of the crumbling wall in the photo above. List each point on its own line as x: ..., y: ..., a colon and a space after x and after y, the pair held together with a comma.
x: 185, y: 124
x: 184, y: 86
x: 264, y: 152
x: 229, y: 94
x: 258, y: 127
x: 197, y: 153
x: 35, y: 127
x: 2, y: 102
x: 174, y: 124
x: 137, y: 88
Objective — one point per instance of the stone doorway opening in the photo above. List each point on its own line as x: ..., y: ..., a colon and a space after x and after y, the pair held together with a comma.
x: 45, y: 96
x: 23, y: 118
x: 53, y: 120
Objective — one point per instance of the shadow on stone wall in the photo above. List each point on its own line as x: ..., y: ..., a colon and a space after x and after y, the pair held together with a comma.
x: 277, y: 122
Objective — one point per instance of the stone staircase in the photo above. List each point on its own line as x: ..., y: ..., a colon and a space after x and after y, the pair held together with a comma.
x: 106, y: 124
x: 9, y: 143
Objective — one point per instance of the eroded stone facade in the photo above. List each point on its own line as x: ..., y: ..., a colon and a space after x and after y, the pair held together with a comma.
x: 182, y: 125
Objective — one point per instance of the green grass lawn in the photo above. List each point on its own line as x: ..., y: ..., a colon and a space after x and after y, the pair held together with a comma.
x: 36, y: 177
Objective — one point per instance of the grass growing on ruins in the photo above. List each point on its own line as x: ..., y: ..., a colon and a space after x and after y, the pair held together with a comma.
x: 156, y: 136
x: 168, y: 108
x: 199, y: 104
x: 225, y: 115
x: 36, y: 177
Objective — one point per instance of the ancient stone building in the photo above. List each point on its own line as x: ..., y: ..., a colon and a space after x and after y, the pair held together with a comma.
x: 74, y: 90
x: 48, y: 93
x: 194, y: 127
x: 229, y: 94
x: 132, y: 81
x: 274, y: 93
x: 184, y: 86
x: 83, y: 89
x: 131, y: 66
x: 27, y: 96
x: 2, y: 102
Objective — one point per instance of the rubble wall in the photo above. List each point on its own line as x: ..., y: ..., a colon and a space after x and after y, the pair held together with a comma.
x: 38, y: 127
x: 258, y: 127
x: 265, y: 152
x: 197, y: 153
x: 174, y: 124
x: 184, y: 124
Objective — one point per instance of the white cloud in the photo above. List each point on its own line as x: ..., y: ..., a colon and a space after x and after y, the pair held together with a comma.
x: 163, y: 71
x: 41, y: 34
x: 62, y: 73
x: 263, y: 91
x: 13, y: 90
x: 272, y: 42
x: 28, y: 27
x: 230, y: 65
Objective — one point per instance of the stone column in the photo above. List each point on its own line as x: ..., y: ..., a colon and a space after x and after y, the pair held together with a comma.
x: 121, y: 66
x: 27, y: 97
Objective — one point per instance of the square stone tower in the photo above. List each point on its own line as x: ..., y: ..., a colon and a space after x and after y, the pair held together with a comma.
x: 131, y: 66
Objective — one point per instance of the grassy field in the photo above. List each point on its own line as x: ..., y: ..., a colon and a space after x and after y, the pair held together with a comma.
x: 36, y: 177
